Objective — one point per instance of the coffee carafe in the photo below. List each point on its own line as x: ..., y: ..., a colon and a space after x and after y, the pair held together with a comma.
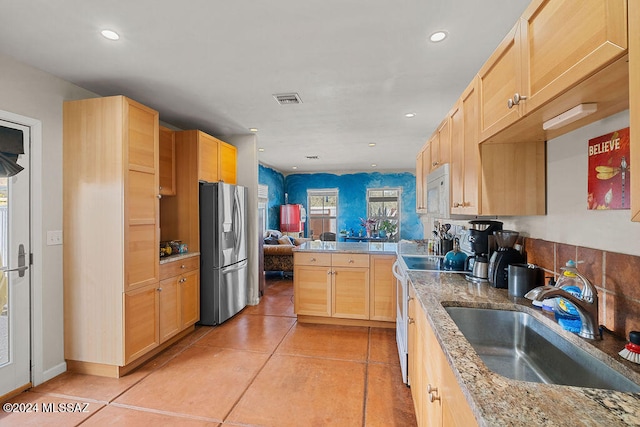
x: 506, y: 255
x: 482, y: 244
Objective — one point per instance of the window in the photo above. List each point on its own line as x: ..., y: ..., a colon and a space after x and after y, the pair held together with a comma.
x: 383, y: 205
x: 323, y: 210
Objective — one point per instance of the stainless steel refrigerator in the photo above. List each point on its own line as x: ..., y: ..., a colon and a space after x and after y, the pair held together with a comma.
x: 223, y: 251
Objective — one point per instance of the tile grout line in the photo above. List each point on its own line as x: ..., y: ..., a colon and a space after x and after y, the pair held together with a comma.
x: 366, y: 380
x: 235, y: 404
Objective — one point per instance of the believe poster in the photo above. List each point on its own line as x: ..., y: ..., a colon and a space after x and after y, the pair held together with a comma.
x: 609, y: 182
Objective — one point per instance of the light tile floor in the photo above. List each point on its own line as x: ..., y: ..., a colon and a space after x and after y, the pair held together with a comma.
x: 260, y: 368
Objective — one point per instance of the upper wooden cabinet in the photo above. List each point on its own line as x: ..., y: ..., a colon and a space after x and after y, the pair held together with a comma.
x: 498, y: 80
x: 556, y: 45
x: 565, y: 41
x: 167, y: 156
x: 111, y: 228
x: 228, y: 168
x: 465, y: 154
x: 216, y: 160
x: 423, y: 167
x: 634, y: 107
x: 440, y: 145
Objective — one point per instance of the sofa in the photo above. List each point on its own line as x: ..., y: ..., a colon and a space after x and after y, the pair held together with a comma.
x: 278, y: 251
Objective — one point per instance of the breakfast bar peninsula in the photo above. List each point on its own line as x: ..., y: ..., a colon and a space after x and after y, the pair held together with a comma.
x: 345, y: 283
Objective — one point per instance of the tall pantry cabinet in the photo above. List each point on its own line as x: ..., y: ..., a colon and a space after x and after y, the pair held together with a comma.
x: 111, y: 231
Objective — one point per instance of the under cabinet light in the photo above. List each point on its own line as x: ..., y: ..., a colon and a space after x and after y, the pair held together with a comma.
x: 570, y: 116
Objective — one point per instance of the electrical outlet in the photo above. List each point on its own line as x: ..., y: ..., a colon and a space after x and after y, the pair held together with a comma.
x: 54, y: 237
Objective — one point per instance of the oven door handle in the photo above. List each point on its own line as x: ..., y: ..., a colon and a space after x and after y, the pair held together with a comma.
x: 396, y: 271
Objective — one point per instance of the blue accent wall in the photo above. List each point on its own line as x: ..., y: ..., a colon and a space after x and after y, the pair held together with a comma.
x: 352, y: 196
x: 275, y: 181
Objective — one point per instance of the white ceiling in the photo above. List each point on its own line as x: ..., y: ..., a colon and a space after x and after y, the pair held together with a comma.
x: 358, y: 66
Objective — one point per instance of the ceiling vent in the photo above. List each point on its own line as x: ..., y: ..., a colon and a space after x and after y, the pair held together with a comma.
x: 312, y: 157
x: 287, y: 98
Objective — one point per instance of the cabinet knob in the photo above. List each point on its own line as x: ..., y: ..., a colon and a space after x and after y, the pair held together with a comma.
x: 434, y: 164
x: 517, y: 98
x: 351, y: 261
x: 183, y: 266
x: 159, y: 196
x: 159, y: 289
x: 312, y: 260
x: 410, y: 320
x: 409, y: 298
x: 510, y: 103
x: 456, y: 204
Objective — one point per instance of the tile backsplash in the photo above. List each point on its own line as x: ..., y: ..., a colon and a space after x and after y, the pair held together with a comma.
x: 615, y: 275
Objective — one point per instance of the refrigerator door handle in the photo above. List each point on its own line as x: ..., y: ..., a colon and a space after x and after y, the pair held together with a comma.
x: 235, y: 267
x: 237, y: 217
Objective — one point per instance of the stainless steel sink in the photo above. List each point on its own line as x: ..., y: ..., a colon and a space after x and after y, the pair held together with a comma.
x: 518, y: 346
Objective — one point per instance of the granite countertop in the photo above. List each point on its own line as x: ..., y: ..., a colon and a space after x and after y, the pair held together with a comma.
x: 177, y: 257
x: 374, y: 248
x: 499, y: 401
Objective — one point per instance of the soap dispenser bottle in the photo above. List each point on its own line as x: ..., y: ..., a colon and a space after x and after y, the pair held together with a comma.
x: 565, y: 312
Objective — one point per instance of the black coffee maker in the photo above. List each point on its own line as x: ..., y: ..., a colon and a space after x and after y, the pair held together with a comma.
x: 482, y: 244
x: 503, y: 257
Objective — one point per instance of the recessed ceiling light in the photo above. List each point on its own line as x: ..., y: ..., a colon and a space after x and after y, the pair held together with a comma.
x: 110, y: 34
x: 373, y: 165
x: 261, y: 149
x: 253, y: 129
x: 410, y: 115
x: 372, y: 144
x: 295, y: 167
x: 438, y: 36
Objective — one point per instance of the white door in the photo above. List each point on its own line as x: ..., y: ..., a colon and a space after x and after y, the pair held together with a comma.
x: 15, y: 339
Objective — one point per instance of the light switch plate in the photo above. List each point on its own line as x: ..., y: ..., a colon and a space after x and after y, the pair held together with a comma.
x: 54, y: 237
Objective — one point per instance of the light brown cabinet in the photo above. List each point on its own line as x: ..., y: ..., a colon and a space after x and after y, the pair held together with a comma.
x: 141, y: 328
x: 556, y: 45
x: 423, y: 166
x: 343, y: 286
x: 440, y: 145
x: 382, y: 305
x: 111, y: 228
x: 167, y: 161
x: 634, y: 104
x: 179, y: 293
x: 350, y: 286
x: 228, y: 159
x: 215, y: 160
x: 312, y: 284
x: 465, y: 154
x: 437, y: 397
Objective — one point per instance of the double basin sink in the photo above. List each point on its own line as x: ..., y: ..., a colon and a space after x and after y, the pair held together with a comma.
x: 516, y: 345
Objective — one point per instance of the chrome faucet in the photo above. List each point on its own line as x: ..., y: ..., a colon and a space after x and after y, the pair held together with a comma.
x: 587, y: 306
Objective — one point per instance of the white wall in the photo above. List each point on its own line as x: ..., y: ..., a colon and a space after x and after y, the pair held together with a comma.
x: 247, y: 146
x: 568, y: 220
x: 32, y: 93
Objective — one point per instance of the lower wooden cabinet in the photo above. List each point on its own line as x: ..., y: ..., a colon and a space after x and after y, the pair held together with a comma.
x: 437, y: 397
x: 382, y: 293
x: 344, y: 286
x: 179, y: 294
x: 141, y: 313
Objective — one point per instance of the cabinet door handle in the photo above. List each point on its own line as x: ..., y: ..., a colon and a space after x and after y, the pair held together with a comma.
x: 433, y: 393
x: 410, y: 320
